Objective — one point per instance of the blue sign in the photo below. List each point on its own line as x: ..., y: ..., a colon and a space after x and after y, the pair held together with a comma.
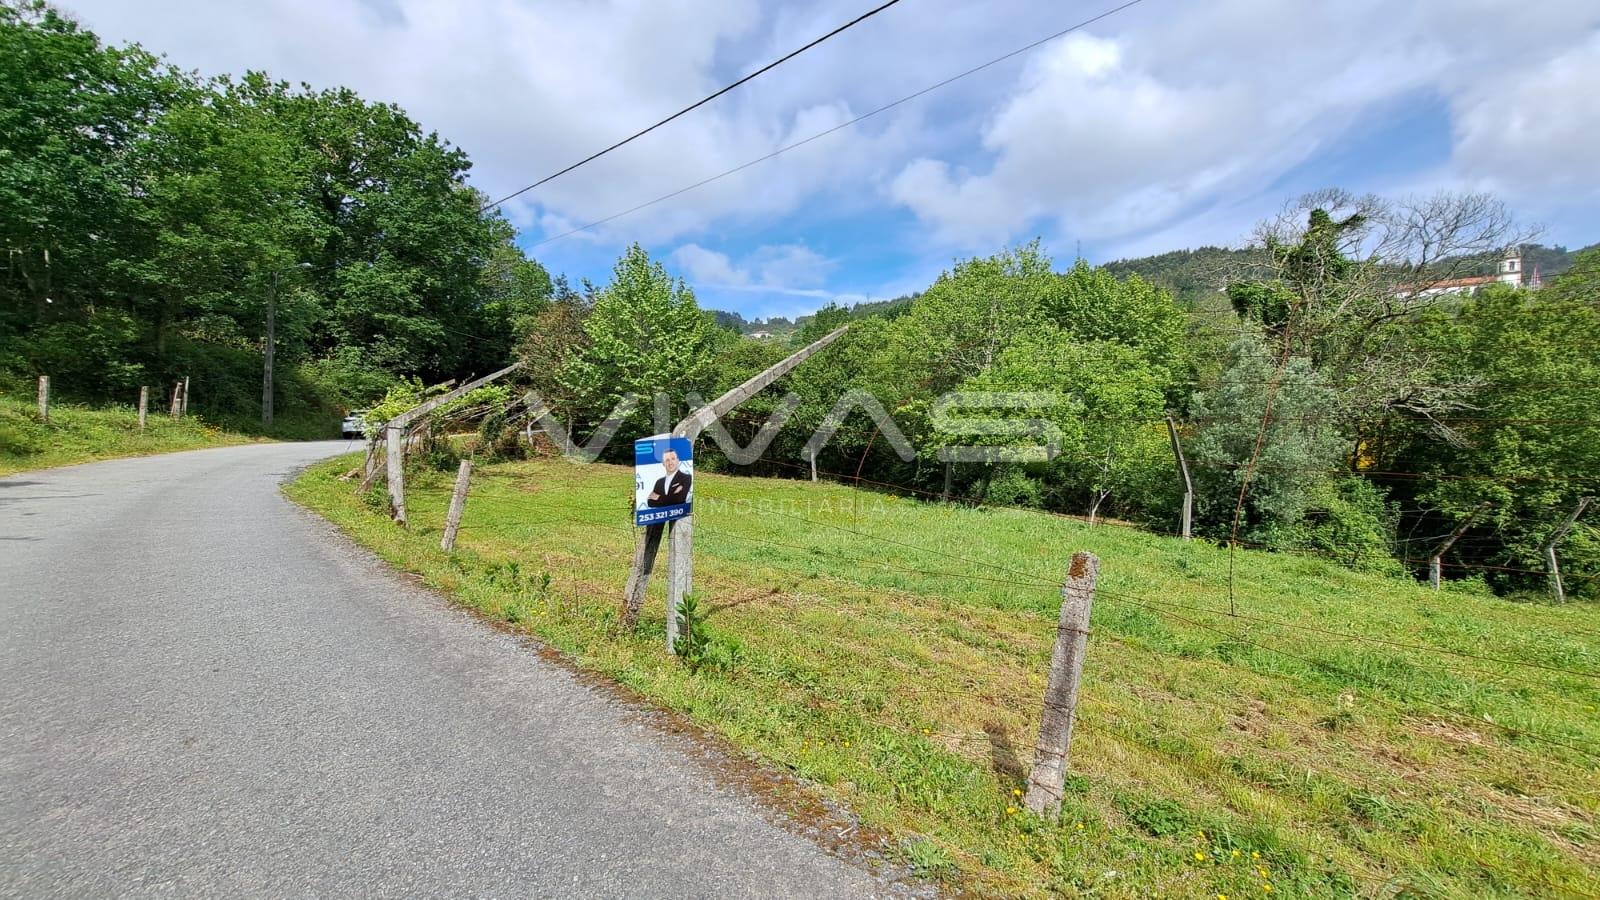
x: 663, y: 479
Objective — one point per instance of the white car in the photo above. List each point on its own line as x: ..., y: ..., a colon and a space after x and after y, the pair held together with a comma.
x: 355, y: 425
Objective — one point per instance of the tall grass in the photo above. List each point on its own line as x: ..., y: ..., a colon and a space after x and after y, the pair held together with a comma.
x: 892, y: 653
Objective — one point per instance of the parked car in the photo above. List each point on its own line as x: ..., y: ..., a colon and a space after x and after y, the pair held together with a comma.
x: 355, y: 424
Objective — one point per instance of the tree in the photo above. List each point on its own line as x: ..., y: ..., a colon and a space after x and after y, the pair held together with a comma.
x: 644, y: 335
x: 1529, y: 447
x: 1299, y: 448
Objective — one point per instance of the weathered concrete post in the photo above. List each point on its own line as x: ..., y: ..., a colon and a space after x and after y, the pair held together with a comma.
x: 458, y: 504
x: 1186, y: 517
x: 645, y: 548
x: 1436, y: 561
x: 44, y: 398
x: 394, y: 436
x: 144, y: 403
x: 394, y: 443
x: 680, y: 558
x: 1048, y: 779
x: 1550, y: 548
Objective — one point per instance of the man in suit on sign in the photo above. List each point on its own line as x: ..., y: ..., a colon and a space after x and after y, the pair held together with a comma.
x: 673, y: 488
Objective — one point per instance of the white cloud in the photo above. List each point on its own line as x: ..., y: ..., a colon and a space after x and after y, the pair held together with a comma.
x: 1171, y: 119
x: 792, y: 269
x: 1109, y: 137
x: 1536, y: 130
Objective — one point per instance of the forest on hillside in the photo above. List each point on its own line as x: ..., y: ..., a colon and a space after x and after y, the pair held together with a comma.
x: 1327, y: 400
x: 1333, y: 404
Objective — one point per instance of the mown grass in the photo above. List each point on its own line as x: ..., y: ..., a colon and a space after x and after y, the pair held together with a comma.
x: 892, y: 652
x: 76, y: 434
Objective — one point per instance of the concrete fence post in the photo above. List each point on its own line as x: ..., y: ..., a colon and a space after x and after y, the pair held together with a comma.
x: 458, y: 503
x: 1186, y: 514
x: 44, y: 398
x: 1550, y: 548
x: 394, y: 445
x: 144, y: 404
x: 1436, y: 561
x: 1048, y: 778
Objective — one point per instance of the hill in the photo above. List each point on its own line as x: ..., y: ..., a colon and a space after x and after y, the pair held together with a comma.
x: 1343, y: 733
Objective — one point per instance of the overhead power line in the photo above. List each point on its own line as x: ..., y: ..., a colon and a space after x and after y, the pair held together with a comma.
x: 695, y: 105
x: 842, y: 125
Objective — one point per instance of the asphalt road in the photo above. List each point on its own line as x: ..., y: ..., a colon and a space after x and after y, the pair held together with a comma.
x: 204, y: 690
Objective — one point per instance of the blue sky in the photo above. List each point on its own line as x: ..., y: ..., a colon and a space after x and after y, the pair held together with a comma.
x: 1172, y: 124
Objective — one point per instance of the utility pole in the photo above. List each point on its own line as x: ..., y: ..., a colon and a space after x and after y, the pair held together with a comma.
x: 267, y: 351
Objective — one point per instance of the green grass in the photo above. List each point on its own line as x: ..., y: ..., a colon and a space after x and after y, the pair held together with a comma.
x: 892, y: 653
x: 77, y: 434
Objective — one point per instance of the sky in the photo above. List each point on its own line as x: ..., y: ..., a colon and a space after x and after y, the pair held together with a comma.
x: 1167, y: 125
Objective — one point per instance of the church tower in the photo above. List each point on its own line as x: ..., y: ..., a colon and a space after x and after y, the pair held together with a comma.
x: 1511, y: 267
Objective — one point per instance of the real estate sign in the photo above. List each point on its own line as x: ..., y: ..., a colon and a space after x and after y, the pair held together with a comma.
x: 663, y: 479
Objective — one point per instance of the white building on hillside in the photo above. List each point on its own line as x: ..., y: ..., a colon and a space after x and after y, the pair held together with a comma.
x: 1510, y: 272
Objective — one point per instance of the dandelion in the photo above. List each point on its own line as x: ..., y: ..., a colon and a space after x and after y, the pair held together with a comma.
x: 1222, y: 897
x: 1016, y: 792
x: 1254, y: 854
x: 1236, y: 854
x: 1266, y: 888
x: 1260, y: 871
x: 1199, y: 855
x: 1202, y: 835
x: 1080, y: 826
x: 1011, y: 810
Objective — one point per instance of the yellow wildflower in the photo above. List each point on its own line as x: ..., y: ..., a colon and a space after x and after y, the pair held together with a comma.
x: 1236, y: 854
x: 1199, y: 855
x: 1267, y: 888
x: 1011, y: 810
x: 1016, y: 792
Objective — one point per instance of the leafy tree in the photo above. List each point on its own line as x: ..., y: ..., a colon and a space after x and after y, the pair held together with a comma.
x: 1529, y: 447
x: 1298, y: 448
x: 645, y: 334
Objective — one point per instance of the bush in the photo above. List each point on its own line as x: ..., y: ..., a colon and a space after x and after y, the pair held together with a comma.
x: 1350, y: 520
x: 499, y: 439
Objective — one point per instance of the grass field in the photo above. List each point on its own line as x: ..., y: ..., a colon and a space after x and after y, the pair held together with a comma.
x: 892, y: 653
x: 78, y: 434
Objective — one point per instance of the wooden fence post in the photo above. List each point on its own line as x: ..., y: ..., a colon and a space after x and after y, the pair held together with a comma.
x: 1186, y: 518
x: 144, y: 403
x: 1550, y: 548
x: 44, y: 398
x: 1436, y: 561
x: 183, y: 408
x: 1048, y: 779
x: 812, y: 455
x: 177, y: 397
x: 458, y: 502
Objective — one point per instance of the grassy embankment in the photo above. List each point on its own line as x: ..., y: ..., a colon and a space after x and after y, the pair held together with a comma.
x: 1215, y: 755
x: 77, y: 434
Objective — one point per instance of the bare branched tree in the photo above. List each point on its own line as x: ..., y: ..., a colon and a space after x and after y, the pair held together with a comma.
x: 1340, y: 274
